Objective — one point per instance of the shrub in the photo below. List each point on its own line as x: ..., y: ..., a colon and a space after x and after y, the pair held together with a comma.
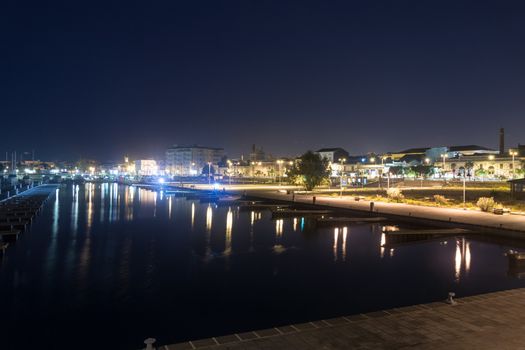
x: 439, y: 199
x: 395, y: 194
x: 486, y: 203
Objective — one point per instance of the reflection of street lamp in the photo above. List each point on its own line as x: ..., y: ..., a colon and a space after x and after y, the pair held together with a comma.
x: 342, y: 162
x: 209, y: 173
x: 513, y: 153
x: 279, y: 162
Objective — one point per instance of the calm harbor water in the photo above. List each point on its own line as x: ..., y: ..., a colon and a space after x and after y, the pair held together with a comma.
x: 107, y: 266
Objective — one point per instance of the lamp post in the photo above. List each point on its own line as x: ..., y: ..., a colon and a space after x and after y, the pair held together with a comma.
x: 279, y: 163
x: 444, y: 156
x: 229, y: 172
x: 513, y: 153
x: 341, y: 162
x: 491, y: 158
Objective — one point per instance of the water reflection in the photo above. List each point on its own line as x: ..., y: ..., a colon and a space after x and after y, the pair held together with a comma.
x: 343, y: 253
x: 89, y: 214
x: 192, y: 215
x: 209, y: 217
x: 74, y: 210
x: 462, y: 258
x: 97, y: 265
x: 103, y: 189
x: 56, y: 208
x: 340, y: 255
x: 382, y: 245
x: 229, y: 225
x: 336, y: 236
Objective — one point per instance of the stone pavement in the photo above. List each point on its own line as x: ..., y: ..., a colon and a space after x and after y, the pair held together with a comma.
x: 487, y: 321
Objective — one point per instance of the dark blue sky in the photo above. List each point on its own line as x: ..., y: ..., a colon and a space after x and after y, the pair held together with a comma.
x: 101, y: 80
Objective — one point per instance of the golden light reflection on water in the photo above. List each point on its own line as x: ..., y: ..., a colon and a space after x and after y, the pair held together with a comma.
x: 382, y: 245
x: 209, y: 218
x: 457, y: 261
x: 169, y: 208
x: 192, y: 215
x: 89, y: 219
x: 229, y: 226
x: 295, y: 224
x: 128, y: 200
x: 345, y: 232
x: 336, y: 237
x: 279, y: 227
x: 462, y: 258
x: 254, y: 217
x: 74, y: 210
x: 102, y: 201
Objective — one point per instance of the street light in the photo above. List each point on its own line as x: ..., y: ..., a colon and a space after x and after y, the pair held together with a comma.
x: 444, y: 156
x: 513, y: 153
x: 229, y: 172
x: 279, y: 162
x: 342, y: 162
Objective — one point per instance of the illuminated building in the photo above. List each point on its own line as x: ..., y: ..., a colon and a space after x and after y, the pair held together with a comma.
x: 190, y: 160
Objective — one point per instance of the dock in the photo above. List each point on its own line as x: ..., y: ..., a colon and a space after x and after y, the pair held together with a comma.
x: 17, y: 212
x: 289, y: 213
x: 486, y: 321
x: 432, y: 232
x: 506, y: 225
x: 338, y: 221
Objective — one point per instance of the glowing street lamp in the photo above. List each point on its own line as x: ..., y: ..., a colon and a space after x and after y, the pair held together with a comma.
x: 513, y: 153
x: 444, y: 156
x: 229, y: 172
x: 342, y: 162
x: 279, y: 162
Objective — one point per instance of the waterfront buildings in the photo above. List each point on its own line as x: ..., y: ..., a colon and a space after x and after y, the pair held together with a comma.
x: 146, y: 167
x: 190, y: 160
x: 333, y: 155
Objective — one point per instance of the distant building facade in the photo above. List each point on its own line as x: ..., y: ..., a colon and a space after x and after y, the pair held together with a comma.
x: 190, y: 160
x: 146, y: 167
x: 332, y: 154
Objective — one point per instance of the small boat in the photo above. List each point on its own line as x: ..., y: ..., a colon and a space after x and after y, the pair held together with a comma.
x: 228, y: 199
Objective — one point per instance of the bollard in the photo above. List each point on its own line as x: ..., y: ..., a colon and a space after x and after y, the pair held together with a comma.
x: 293, y: 197
x: 149, y: 343
x: 450, y: 300
x: 371, y: 206
x: 313, y: 200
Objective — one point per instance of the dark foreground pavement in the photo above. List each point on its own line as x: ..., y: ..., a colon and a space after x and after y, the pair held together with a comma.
x: 488, y: 321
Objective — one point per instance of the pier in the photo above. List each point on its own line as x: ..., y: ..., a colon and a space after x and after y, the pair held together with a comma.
x: 486, y: 321
x: 17, y: 212
x: 509, y: 225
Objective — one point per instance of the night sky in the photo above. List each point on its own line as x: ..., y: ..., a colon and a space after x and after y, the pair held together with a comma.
x: 99, y: 80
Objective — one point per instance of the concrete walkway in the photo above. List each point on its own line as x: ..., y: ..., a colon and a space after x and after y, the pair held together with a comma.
x: 481, y: 220
x: 488, y: 321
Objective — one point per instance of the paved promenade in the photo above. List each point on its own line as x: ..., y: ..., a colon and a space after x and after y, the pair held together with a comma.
x: 487, y: 321
x: 480, y: 219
